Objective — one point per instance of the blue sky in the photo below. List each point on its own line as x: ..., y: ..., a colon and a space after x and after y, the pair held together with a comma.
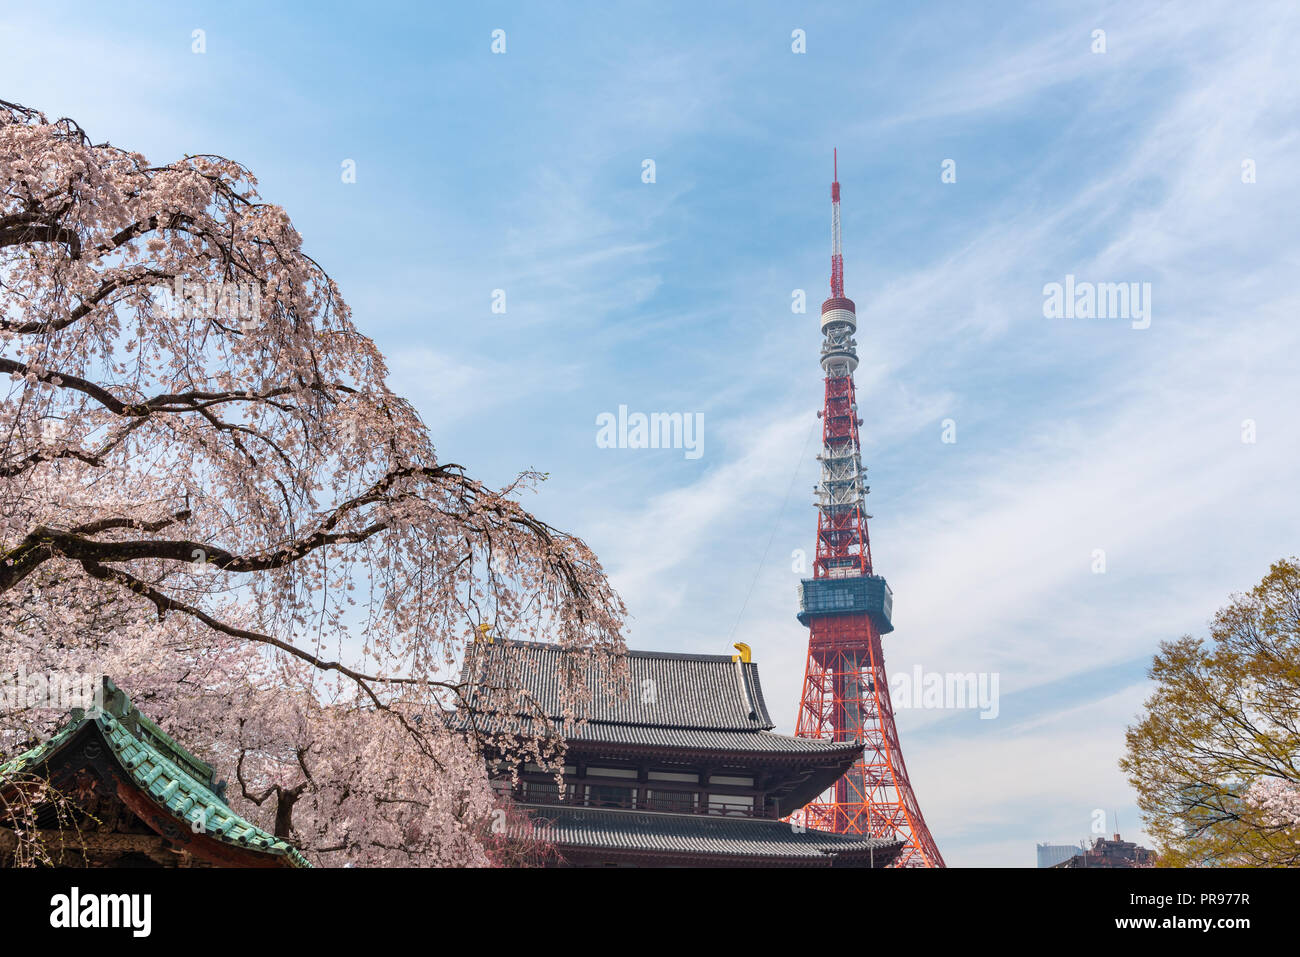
x: 522, y: 172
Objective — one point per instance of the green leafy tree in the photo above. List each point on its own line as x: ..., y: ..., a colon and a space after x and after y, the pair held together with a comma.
x: 1214, y: 760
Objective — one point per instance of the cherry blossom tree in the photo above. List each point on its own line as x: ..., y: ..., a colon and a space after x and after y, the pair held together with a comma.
x: 208, y: 490
x: 1277, y: 804
x: 310, y: 762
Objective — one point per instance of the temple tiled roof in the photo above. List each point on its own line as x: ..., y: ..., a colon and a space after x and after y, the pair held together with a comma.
x: 667, y: 690
x: 680, y: 701
x: 649, y: 833
x: 757, y: 743
x: 174, y: 779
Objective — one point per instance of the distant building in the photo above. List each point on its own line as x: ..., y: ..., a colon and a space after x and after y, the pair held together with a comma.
x: 1112, y: 853
x: 1049, y: 855
x: 684, y: 770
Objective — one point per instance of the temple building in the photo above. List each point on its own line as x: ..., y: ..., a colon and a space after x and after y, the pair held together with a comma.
x: 679, y: 767
x: 128, y: 796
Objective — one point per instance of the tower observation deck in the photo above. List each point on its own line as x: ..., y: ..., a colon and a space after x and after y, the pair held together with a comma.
x: 848, y: 608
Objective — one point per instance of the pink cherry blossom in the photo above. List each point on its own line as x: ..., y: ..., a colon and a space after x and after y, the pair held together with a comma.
x: 209, y: 493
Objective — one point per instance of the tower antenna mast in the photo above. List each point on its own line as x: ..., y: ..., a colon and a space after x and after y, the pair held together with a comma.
x: 848, y: 608
x: 837, y: 254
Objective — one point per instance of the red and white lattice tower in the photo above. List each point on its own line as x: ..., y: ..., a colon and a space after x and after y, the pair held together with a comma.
x: 847, y: 608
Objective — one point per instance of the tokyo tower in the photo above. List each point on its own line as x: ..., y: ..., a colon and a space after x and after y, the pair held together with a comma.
x: 847, y: 608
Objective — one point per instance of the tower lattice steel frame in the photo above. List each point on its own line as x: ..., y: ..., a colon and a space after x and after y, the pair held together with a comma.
x: 848, y: 608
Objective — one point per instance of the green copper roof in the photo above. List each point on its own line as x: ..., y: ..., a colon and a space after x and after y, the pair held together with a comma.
x: 176, y: 780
